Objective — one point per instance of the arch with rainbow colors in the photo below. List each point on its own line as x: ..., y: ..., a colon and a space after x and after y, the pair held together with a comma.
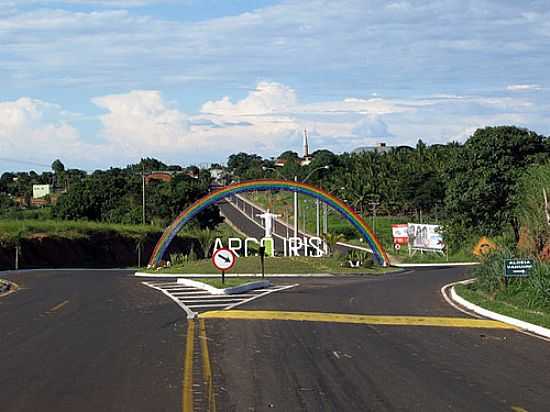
x: 265, y: 185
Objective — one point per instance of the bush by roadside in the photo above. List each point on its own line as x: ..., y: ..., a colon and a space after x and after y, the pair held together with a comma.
x: 527, y: 299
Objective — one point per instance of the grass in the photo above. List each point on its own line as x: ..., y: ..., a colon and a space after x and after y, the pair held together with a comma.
x: 508, y: 307
x: 276, y: 265
x: 11, y: 229
x: 430, y: 257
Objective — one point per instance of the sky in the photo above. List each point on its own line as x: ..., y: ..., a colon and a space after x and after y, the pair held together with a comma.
x: 100, y: 83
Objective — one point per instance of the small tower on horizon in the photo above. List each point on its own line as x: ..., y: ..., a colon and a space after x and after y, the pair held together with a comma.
x: 306, y: 146
x: 307, y: 157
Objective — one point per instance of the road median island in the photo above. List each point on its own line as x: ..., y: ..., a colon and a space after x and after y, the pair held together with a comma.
x: 480, y: 303
x: 231, y: 286
x: 298, y: 265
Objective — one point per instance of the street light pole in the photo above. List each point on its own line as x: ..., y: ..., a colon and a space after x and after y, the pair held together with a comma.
x: 374, y: 204
x: 143, y: 193
x: 295, y: 210
x: 318, y: 214
x: 317, y: 203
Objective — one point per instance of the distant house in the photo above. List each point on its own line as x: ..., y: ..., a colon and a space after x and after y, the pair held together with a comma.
x: 280, y: 162
x: 218, y: 174
x: 159, y: 176
x: 41, y: 191
x: 378, y: 148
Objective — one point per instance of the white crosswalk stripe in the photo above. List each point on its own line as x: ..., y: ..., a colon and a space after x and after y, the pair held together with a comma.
x: 194, y: 300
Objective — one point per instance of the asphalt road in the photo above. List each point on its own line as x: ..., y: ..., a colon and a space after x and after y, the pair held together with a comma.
x: 99, y: 340
x: 307, y: 366
x: 89, y: 341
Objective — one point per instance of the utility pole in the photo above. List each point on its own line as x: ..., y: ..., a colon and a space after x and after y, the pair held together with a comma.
x: 318, y: 214
x: 295, y: 210
x: 373, y: 205
x: 143, y: 192
x: 325, y: 218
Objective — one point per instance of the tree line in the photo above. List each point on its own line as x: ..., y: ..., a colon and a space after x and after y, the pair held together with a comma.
x: 473, y: 188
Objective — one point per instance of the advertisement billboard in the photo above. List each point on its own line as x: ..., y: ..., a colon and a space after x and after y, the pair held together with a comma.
x: 425, y: 237
x: 400, y: 234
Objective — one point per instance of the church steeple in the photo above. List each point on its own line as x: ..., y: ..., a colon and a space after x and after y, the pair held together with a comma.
x: 306, y: 146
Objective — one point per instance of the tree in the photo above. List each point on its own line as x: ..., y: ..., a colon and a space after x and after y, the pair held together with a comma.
x: 331, y: 239
x: 58, y: 167
x: 483, y: 190
x: 245, y: 166
x: 533, y: 208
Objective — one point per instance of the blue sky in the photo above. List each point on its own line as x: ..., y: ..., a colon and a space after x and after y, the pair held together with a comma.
x: 105, y: 82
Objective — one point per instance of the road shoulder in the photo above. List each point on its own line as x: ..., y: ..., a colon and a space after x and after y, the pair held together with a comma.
x: 450, y: 294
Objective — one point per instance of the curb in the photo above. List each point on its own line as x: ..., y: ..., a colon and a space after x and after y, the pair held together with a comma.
x: 520, y: 324
x: 233, y: 275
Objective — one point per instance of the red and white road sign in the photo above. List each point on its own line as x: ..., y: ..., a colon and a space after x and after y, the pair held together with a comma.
x: 224, y: 259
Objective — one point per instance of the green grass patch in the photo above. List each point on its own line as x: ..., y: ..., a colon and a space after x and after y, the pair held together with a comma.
x: 505, y: 306
x: 429, y: 257
x: 276, y: 265
x: 12, y: 229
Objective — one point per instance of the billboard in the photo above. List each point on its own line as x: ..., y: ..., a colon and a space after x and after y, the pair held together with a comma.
x: 425, y: 237
x: 400, y: 234
x: 39, y: 191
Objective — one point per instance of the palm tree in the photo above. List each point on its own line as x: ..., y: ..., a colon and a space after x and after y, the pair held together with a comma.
x: 331, y: 239
x: 205, y: 238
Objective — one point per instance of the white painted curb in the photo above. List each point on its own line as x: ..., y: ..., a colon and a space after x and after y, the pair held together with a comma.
x: 227, y: 291
x: 201, y: 285
x: 520, y: 324
x: 232, y: 275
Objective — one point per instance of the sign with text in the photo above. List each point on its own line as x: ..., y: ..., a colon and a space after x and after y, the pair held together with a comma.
x: 518, y: 268
x: 293, y: 246
x: 400, y: 234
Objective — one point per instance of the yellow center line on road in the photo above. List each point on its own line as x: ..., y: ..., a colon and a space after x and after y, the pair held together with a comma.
x: 59, y: 306
x: 357, y: 319
x: 187, y: 387
x: 206, y: 367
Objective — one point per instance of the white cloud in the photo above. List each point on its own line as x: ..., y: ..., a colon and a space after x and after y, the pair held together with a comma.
x: 523, y: 87
x: 268, y: 98
x: 371, y: 127
x: 141, y: 120
x: 33, y: 129
x: 268, y: 120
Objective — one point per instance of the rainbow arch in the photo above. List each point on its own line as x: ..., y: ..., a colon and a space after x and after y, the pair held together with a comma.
x: 264, y: 185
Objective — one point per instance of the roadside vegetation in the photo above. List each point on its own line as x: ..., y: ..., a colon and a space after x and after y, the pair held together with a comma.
x: 470, y: 189
x: 525, y: 298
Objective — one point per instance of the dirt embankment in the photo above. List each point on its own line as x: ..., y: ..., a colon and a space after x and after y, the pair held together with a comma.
x: 98, y: 250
